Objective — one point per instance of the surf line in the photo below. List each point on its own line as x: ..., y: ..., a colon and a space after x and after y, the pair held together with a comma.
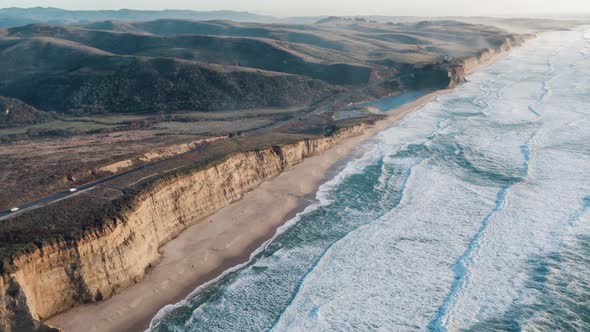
x: 460, y: 268
x: 327, y: 250
x: 461, y: 265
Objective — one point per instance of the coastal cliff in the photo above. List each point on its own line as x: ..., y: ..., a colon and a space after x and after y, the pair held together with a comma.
x: 456, y: 75
x: 451, y: 73
x: 55, y: 277
x: 457, y: 72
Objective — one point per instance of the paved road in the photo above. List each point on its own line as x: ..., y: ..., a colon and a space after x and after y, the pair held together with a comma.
x: 66, y: 194
x: 322, y: 107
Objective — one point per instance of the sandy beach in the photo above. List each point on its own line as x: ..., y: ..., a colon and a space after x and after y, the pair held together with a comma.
x: 220, y: 241
x: 228, y: 237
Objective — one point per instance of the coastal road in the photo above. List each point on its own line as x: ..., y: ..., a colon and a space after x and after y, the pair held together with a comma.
x: 6, y: 214
x: 59, y: 196
x: 81, y: 189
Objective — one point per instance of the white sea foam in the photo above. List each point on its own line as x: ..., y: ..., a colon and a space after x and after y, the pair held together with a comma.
x: 322, y: 197
x: 394, y: 273
x: 490, y: 176
x: 371, y: 278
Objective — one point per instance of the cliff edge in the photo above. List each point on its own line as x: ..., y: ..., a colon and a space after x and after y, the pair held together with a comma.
x: 49, y: 277
x: 108, y: 247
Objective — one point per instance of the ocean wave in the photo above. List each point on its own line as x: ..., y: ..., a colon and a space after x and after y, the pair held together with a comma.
x: 323, y: 199
x: 471, y: 214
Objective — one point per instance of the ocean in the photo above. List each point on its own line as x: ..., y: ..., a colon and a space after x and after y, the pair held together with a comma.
x: 471, y: 214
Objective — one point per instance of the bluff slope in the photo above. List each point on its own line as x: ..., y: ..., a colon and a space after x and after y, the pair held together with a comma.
x: 86, y: 249
x: 112, y: 247
x: 175, y: 65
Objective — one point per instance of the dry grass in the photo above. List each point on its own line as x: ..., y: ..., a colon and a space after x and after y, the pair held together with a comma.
x: 36, y: 167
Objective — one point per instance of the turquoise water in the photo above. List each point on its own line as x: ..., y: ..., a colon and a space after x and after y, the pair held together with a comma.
x: 389, y: 103
x: 472, y: 214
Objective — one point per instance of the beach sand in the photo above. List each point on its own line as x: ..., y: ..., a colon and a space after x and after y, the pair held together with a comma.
x: 220, y: 241
x: 227, y: 238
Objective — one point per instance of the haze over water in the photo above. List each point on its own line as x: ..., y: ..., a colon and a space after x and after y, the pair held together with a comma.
x: 471, y: 214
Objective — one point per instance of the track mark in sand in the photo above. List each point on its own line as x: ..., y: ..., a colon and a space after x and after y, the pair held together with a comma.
x: 545, y: 91
x: 581, y: 212
x: 460, y: 267
x: 532, y: 110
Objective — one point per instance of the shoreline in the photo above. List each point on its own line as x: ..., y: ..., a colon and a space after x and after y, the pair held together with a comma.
x: 226, y: 239
x: 223, y: 240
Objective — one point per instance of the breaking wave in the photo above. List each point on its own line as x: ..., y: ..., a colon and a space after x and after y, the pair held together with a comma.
x: 471, y: 214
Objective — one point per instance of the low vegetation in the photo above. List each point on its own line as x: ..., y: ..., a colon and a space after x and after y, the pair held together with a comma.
x: 97, y: 99
x: 173, y: 65
x: 92, y: 211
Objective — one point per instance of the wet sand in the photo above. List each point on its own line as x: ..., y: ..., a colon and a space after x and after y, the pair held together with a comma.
x: 221, y: 241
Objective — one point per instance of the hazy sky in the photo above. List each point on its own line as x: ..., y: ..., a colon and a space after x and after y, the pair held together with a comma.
x: 334, y: 7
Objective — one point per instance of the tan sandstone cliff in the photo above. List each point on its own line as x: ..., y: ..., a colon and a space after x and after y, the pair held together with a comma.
x: 57, y: 277
x: 457, y: 73
x: 54, y: 278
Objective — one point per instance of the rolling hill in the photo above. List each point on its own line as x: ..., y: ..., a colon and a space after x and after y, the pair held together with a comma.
x: 15, y: 16
x: 170, y: 65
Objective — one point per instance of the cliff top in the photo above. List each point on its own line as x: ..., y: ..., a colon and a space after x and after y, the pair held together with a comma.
x: 93, y: 211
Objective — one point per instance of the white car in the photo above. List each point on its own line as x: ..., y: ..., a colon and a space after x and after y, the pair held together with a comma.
x: 72, y: 190
x: 14, y: 209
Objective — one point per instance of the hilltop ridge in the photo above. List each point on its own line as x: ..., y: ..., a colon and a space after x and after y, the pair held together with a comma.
x: 127, y: 132
x: 178, y: 65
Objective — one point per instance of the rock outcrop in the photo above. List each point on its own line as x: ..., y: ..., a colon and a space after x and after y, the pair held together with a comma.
x: 53, y: 278
x: 14, y: 113
x: 50, y: 279
x: 456, y: 75
x: 458, y: 72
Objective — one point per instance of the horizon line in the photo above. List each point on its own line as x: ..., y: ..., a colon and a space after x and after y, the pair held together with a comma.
x: 563, y: 15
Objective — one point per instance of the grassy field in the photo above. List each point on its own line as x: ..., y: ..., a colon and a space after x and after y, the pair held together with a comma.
x: 214, y: 127
x: 82, y: 126
x: 122, y: 119
x: 40, y: 162
x: 88, y: 123
x: 254, y: 112
x: 111, y: 119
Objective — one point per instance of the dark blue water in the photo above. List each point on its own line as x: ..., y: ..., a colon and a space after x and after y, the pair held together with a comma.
x: 471, y: 214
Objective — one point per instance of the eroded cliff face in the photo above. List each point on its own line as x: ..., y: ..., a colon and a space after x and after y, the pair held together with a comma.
x: 457, y: 73
x: 57, y: 277
x: 54, y: 278
x: 449, y: 74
